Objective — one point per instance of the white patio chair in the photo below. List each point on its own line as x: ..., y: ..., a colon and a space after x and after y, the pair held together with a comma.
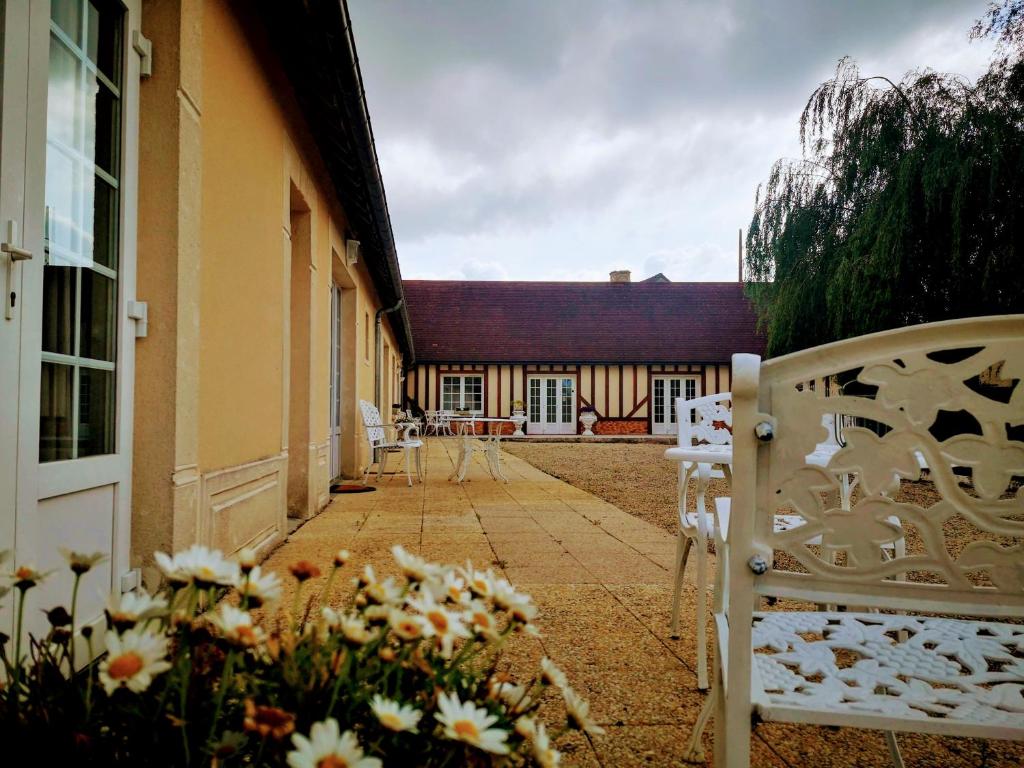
x: 431, y: 426
x: 901, y: 669
x: 707, y: 453
x: 381, y: 445
x: 444, y: 422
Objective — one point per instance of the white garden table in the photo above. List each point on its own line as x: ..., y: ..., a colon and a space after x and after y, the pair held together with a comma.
x: 489, y: 444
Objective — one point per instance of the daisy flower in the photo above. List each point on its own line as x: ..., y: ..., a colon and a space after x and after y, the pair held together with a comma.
x: 480, y: 584
x: 513, y: 696
x: 236, y: 626
x: 414, y: 567
x: 258, y: 587
x: 200, y: 565
x: 133, y: 660
x: 303, y: 570
x: 246, y: 559
x: 127, y: 610
x: 355, y: 631
x: 552, y: 675
x: 341, y: 557
x: 470, y: 724
x: 453, y: 587
x: 545, y: 755
x: 479, y: 617
x: 385, y: 592
x: 441, y: 624
x: 326, y: 747
x: 578, y: 710
x: 267, y: 721
x: 526, y: 727
x: 395, y: 716
x: 406, y: 626
x: 81, y: 562
x: 26, y: 576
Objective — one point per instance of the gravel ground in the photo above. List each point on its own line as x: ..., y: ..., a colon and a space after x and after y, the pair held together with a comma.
x: 638, y: 479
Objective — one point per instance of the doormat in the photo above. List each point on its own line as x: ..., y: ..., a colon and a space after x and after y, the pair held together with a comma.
x: 352, y: 488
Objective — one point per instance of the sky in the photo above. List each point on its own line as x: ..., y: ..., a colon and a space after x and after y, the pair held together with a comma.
x: 563, y: 139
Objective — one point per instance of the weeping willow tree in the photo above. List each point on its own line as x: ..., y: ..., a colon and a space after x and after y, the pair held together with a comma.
x: 907, y: 205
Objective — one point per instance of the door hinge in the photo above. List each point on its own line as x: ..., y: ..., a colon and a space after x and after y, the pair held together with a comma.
x: 144, y: 47
x: 131, y: 580
x: 139, y: 312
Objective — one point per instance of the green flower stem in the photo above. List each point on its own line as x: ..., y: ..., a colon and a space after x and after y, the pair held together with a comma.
x: 88, y: 680
x: 327, y: 587
x: 295, y: 607
x: 15, y: 686
x: 337, y: 683
x: 74, y: 605
x: 225, y: 681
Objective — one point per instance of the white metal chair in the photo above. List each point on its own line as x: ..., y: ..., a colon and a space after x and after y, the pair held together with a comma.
x: 431, y: 427
x: 900, y: 668
x: 381, y: 445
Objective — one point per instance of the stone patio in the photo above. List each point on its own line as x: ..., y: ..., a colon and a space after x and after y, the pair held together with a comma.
x: 601, y: 579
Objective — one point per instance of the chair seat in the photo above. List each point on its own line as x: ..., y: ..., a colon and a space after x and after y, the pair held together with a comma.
x: 905, y: 672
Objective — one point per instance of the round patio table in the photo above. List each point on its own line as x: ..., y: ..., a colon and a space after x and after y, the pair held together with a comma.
x: 468, y: 443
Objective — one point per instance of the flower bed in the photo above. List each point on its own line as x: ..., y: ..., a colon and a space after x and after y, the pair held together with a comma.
x: 405, y: 675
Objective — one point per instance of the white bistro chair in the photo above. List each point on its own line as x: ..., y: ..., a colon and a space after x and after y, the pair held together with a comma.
x: 381, y: 444
x: 704, y: 450
x: 902, y: 667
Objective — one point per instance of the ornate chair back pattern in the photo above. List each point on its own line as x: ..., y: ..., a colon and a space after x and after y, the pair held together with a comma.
x: 951, y: 392
x: 372, y: 422
x: 712, y: 420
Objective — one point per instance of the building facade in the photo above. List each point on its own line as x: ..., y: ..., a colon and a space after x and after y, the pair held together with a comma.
x: 200, y: 276
x: 624, y: 349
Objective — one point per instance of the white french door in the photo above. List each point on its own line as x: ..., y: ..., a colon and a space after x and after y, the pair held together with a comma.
x: 335, y: 386
x: 551, y: 405
x: 664, y: 391
x: 68, y: 181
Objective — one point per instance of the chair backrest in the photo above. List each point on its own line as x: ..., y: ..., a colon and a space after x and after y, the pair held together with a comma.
x: 705, y: 419
x: 952, y: 392
x: 372, y: 423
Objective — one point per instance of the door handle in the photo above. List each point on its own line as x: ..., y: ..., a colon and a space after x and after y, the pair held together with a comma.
x: 15, y: 253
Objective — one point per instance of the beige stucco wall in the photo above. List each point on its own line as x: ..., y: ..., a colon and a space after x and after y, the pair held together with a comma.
x: 219, y: 182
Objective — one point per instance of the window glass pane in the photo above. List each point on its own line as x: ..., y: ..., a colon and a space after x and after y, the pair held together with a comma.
x: 449, y: 393
x: 95, y: 412
x: 551, y: 395
x: 674, y: 385
x: 535, y: 400
x: 99, y: 307
x: 55, y: 412
x: 105, y: 39
x: 659, y: 400
x: 68, y: 16
x: 567, y: 401
x: 108, y: 129
x: 105, y: 225
x: 59, y: 309
x: 474, y: 393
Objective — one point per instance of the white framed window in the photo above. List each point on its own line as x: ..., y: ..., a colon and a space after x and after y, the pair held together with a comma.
x: 81, y: 231
x: 462, y: 393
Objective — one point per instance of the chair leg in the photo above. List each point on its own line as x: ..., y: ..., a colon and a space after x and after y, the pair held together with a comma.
x: 408, y: 465
x: 894, y: 749
x: 419, y: 465
x: 683, y: 545
x: 381, y: 464
x: 702, y: 615
x: 695, y: 746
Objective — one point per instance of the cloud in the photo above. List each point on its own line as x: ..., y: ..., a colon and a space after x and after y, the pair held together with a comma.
x: 538, y: 140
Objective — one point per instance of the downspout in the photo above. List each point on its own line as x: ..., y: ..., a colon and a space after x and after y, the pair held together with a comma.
x: 378, y: 344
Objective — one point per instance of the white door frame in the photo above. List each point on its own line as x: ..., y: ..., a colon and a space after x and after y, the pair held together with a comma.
x: 538, y: 421
x: 26, y: 77
x: 666, y: 425
x: 334, y: 428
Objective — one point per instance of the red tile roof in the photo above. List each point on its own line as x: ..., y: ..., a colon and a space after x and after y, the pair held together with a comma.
x: 456, y: 321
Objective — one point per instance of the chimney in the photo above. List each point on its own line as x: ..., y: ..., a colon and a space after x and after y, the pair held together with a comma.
x: 619, y: 276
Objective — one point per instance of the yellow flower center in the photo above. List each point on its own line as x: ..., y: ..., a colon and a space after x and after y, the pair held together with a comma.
x: 332, y: 761
x: 124, y: 666
x: 410, y: 628
x: 481, y: 619
x: 24, y: 572
x: 439, y: 620
x: 245, y: 634
x: 391, y: 721
x: 466, y: 729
